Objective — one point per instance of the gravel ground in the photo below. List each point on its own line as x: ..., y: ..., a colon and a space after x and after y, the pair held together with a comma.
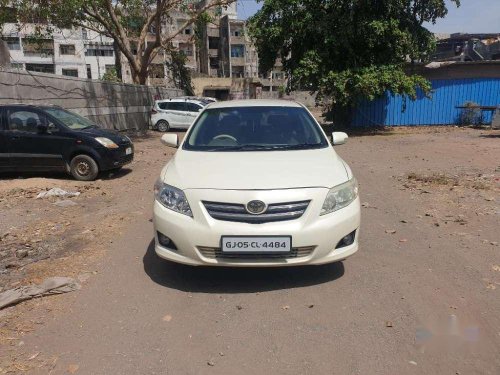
x: 420, y: 297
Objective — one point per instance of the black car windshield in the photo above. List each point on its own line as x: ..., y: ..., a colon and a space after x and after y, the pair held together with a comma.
x: 263, y: 128
x: 70, y: 119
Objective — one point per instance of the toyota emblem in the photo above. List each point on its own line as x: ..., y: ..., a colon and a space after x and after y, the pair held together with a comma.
x: 256, y: 207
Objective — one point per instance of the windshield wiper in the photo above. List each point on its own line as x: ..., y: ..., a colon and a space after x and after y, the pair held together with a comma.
x: 255, y: 147
x: 249, y: 147
x: 303, y: 146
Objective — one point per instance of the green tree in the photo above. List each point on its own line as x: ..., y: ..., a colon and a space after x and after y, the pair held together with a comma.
x: 111, y: 76
x: 180, y: 74
x: 136, y: 26
x: 346, y: 50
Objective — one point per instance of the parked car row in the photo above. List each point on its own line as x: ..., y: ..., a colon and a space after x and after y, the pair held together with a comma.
x: 253, y: 183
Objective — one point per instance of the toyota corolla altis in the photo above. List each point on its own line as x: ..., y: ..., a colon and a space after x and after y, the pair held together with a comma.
x: 256, y: 183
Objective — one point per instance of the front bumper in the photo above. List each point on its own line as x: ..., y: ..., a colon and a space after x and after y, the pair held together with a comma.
x: 112, y: 159
x: 193, y: 235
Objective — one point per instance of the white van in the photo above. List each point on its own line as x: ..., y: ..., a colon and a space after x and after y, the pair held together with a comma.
x: 178, y: 113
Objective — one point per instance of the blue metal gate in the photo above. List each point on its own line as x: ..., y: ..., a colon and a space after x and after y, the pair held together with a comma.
x: 440, y: 109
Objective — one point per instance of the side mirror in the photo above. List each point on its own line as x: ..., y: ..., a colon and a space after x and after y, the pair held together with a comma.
x: 42, y: 128
x: 339, y: 138
x: 170, y: 140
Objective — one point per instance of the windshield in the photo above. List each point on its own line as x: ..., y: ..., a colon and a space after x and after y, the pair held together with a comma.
x: 70, y: 119
x: 255, y: 129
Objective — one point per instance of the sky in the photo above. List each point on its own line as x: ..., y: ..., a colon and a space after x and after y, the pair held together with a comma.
x: 473, y: 16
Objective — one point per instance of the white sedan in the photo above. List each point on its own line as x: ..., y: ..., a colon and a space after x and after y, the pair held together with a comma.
x: 256, y: 183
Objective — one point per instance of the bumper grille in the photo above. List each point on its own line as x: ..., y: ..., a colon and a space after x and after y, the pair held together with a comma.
x: 216, y: 253
x: 274, y: 212
x: 126, y: 159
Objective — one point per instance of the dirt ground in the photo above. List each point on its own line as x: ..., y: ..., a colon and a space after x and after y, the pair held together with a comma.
x: 421, y: 295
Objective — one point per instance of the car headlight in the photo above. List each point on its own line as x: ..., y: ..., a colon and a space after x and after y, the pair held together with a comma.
x: 340, y: 196
x: 172, y: 198
x: 106, y: 142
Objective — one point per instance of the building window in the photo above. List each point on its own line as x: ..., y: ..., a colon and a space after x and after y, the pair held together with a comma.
x: 237, y: 32
x: 13, y: 44
x: 214, y: 62
x: 89, y: 71
x: 67, y: 49
x: 42, y: 68
x: 85, y: 34
x: 17, y: 66
x: 186, y: 49
x: 279, y: 75
x: 99, y: 50
x: 41, y: 48
x: 238, y: 71
x: 213, y: 42
x: 237, y: 50
x: 156, y: 71
x: 70, y: 72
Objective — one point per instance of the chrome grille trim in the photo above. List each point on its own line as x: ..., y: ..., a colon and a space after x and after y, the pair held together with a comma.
x: 216, y: 253
x: 237, y: 212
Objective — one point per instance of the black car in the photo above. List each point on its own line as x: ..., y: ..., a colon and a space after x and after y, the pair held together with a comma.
x: 49, y: 138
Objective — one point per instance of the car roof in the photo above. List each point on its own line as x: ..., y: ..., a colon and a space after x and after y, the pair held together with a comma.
x: 179, y: 100
x: 256, y: 103
x: 28, y: 105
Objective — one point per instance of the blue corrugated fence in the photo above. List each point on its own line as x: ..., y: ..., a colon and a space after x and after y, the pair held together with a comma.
x: 440, y: 109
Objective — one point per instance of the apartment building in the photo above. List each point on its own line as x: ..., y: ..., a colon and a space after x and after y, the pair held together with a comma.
x: 221, y: 48
x: 71, y: 52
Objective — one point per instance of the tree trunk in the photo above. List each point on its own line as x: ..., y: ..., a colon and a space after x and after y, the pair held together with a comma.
x: 139, y: 77
x: 118, y: 61
x: 143, y: 76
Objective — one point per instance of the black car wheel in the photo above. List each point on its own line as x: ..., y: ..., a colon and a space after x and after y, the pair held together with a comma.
x: 84, y: 168
x: 163, y: 126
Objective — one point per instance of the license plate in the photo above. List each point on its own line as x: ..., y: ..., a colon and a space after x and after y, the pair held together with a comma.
x: 257, y: 244
x: 128, y: 151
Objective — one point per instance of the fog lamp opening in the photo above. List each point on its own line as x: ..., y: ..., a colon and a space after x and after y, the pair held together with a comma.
x: 347, y: 240
x: 166, y: 241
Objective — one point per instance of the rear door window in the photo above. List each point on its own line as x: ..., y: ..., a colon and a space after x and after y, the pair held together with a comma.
x: 178, y: 106
x: 173, y: 106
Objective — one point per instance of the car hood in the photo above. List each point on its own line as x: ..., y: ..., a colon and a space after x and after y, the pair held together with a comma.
x: 108, y: 133
x: 266, y: 170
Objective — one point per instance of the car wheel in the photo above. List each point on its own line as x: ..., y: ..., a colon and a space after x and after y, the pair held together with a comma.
x: 163, y: 126
x: 84, y: 168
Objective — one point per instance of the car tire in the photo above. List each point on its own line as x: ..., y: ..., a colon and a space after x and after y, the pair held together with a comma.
x: 84, y: 168
x: 163, y: 126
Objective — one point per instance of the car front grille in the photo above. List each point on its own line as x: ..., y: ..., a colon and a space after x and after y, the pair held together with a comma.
x: 216, y: 253
x: 126, y: 159
x: 274, y: 212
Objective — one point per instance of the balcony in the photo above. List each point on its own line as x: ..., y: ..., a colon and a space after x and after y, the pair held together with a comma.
x: 237, y: 61
x: 237, y: 40
x: 213, y: 32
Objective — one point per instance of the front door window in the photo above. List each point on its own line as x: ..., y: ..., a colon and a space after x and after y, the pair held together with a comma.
x: 24, y: 121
